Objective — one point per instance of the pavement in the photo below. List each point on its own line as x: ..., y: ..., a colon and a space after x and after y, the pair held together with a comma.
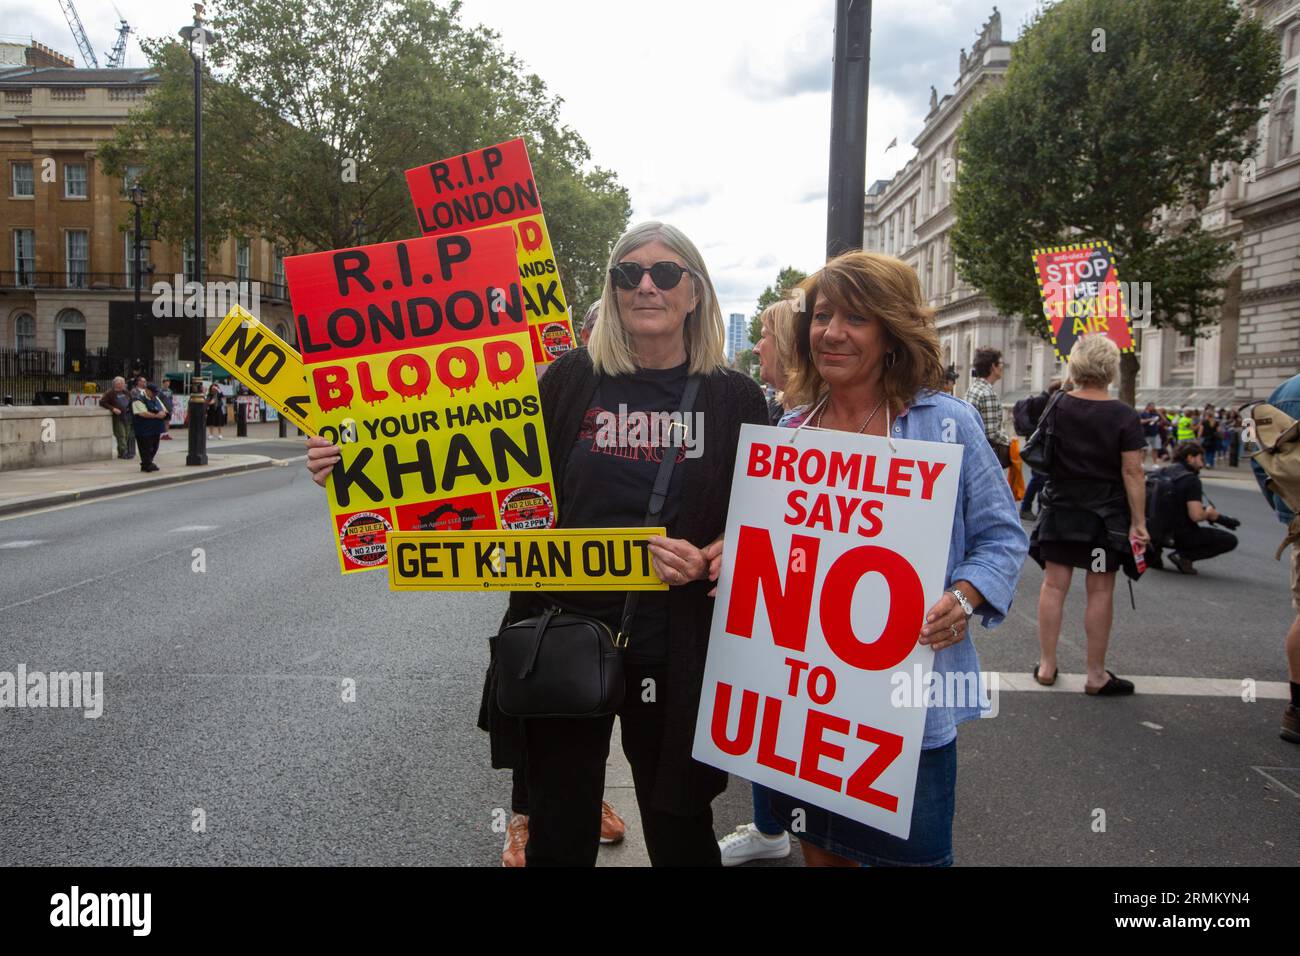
x: 26, y: 489
x: 262, y: 709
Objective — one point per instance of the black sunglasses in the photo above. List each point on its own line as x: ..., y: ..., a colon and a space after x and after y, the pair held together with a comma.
x: 665, y: 275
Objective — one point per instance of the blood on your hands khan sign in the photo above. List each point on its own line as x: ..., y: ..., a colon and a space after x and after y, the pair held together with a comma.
x: 420, y: 367
x: 836, y: 546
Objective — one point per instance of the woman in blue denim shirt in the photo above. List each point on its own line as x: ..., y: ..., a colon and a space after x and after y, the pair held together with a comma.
x: 867, y: 360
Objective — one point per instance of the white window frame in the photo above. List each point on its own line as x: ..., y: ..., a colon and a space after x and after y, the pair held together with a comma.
x: 243, y: 258
x: 31, y: 180
x: 67, y: 181
x: 20, y: 335
x: 277, y: 267
x: 187, y: 259
x: 68, y: 260
x: 30, y: 259
x: 130, y: 175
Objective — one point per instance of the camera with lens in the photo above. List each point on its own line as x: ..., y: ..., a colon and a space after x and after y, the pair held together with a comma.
x: 1224, y: 521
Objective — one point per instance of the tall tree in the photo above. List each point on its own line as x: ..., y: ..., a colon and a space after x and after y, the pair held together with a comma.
x: 314, y: 109
x: 786, y: 279
x: 1111, y: 118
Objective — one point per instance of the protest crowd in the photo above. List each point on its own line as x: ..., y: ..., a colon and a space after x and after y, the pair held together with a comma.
x: 851, y: 352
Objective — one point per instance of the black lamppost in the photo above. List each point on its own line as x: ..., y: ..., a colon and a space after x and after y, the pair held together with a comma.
x: 848, y: 173
x: 198, y: 37
x: 137, y: 200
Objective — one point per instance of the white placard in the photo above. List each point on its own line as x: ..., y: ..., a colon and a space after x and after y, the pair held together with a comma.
x: 836, y: 546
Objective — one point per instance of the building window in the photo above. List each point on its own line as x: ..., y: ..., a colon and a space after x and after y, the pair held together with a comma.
x: 130, y: 258
x: 241, y: 260
x: 1292, y: 47
x: 130, y: 176
x: 1284, y: 128
x: 24, y: 332
x: 74, y: 181
x: 78, y: 257
x: 187, y: 259
x: 24, y: 257
x: 23, y: 180
x: 278, y: 271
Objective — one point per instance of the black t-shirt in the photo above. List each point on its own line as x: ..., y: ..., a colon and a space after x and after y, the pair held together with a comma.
x: 1186, y: 487
x: 1090, y: 436
x: 1150, y: 423
x: 607, y: 483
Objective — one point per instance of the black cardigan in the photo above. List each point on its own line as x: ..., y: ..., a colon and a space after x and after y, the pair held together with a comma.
x: 727, y: 399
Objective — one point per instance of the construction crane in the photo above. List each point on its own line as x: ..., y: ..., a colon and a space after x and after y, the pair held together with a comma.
x: 117, y: 58
x: 78, y: 33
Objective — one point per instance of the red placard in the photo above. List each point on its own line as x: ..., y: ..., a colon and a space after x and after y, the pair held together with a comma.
x: 1082, y: 295
x: 405, y: 295
x: 479, y: 188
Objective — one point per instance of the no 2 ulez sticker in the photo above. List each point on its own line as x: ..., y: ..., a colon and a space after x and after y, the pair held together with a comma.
x: 363, y: 538
x: 523, y: 509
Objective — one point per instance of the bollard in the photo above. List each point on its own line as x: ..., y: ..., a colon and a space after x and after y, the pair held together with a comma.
x: 197, y: 453
x: 241, y: 417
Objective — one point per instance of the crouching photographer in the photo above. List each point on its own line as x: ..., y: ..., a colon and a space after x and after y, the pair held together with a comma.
x: 1177, y: 500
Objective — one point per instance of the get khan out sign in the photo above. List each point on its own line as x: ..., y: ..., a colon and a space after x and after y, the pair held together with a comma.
x: 494, y: 186
x: 418, y: 358
x: 835, y: 548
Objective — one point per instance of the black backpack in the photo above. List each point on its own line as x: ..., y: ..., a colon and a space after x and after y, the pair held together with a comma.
x: 1165, y: 509
x: 1026, y: 412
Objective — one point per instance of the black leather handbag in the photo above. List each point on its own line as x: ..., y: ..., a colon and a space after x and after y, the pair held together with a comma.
x: 1040, y: 448
x: 570, y: 665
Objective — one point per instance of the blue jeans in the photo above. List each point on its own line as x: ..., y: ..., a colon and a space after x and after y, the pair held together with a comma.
x: 764, y: 819
x: 930, y: 843
x: 1035, y: 485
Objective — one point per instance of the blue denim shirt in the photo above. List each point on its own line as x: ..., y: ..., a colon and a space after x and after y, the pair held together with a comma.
x: 1285, y: 398
x: 988, y: 545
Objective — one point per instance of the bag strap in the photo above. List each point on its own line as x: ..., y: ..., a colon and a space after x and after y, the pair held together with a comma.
x: 658, y: 495
x: 1045, y: 422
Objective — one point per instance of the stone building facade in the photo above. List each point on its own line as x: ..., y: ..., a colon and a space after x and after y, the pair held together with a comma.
x: 67, y: 276
x: 1257, y: 342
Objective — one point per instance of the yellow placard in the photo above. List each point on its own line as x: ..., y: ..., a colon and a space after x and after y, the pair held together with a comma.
x: 570, y: 559
x: 262, y: 361
x: 442, y: 437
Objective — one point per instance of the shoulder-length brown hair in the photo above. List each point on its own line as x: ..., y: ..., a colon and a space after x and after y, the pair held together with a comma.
x: 880, y: 287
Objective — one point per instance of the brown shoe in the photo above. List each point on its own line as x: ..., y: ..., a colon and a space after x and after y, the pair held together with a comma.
x: 1291, y: 724
x: 516, y: 840
x: 612, y: 827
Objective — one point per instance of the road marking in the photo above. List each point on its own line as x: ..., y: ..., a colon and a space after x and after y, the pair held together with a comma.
x: 20, y: 544
x: 194, y: 527
x: 113, y: 573
x: 1147, y: 723
x: 1263, y: 772
x: 1169, y: 686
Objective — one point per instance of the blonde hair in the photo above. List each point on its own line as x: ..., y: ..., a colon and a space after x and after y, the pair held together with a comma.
x: 704, y: 337
x: 1094, y: 360
x: 884, y: 288
x: 778, y: 318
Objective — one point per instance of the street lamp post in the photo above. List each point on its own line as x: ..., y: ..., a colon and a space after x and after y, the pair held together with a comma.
x: 198, y: 36
x: 137, y: 200
x: 848, y: 167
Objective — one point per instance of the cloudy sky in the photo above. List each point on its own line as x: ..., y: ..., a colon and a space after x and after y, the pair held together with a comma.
x: 714, y: 113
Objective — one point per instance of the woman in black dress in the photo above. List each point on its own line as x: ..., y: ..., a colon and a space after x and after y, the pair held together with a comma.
x: 216, y: 410
x: 1093, y: 509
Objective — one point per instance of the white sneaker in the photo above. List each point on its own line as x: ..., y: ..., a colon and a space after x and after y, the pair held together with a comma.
x: 747, y: 843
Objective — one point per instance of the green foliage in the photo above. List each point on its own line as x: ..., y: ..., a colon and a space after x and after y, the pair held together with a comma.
x: 786, y: 279
x: 748, y: 363
x: 303, y: 91
x: 1081, y: 143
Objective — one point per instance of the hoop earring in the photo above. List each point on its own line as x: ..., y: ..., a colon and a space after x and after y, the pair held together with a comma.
x: 890, y: 359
